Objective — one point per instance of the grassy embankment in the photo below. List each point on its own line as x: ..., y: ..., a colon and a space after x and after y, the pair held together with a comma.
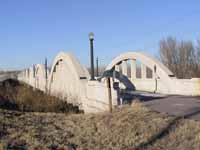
x: 129, y: 127
x: 21, y: 97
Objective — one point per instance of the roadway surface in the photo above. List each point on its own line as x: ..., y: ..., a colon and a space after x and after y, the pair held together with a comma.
x: 186, y: 106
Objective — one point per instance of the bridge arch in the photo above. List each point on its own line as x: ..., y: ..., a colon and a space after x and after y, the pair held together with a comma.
x: 68, y: 78
x: 40, y: 77
x: 29, y: 78
x: 160, y: 72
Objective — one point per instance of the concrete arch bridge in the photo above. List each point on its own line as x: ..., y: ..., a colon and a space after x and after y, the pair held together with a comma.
x: 148, y: 74
x: 70, y: 80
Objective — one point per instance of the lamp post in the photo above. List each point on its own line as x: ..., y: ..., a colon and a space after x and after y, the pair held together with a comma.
x: 91, y: 38
x: 97, y: 65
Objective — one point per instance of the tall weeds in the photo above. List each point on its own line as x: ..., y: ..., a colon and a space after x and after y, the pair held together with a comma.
x: 24, y: 98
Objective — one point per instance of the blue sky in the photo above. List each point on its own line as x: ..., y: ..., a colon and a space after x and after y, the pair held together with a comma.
x: 31, y: 30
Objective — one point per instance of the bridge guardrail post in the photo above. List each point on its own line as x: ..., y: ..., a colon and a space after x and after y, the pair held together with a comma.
x: 109, y: 95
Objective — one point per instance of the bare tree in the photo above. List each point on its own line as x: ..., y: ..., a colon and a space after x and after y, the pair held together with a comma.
x: 182, y: 58
x: 197, y: 54
x: 186, y: 59
x: 168, y: 53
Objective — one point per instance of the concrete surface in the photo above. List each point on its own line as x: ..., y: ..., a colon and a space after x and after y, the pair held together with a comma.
x: 70, y: 80
x: 162, y: 80
x: 186, y: 106
x: 97, y: 99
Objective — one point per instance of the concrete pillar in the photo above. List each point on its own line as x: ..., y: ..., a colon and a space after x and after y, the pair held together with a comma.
x: 117, y: 68
x: 28, y: 72
x: 133, y: 69
x: 124, y: 68
x: 143, y: 71
x: 26, y: 75
x: 154, y: 74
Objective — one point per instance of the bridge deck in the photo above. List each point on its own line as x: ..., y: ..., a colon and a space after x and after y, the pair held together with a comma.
x: 186, y: 106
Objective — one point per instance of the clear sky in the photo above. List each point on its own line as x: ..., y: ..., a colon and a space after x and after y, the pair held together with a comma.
x: 31, y: 30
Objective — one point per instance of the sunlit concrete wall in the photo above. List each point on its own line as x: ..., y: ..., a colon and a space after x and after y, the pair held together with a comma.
x: 41, y: 81
x: 162, y: 80
x: 35, y: 76
x: 97, y: 99
x: 179, y: 86
x: 68, y: 79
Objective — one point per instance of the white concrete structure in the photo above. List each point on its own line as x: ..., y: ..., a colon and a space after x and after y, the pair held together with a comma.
x: 97, y: 99
x: 30, y: 78
x: 41, y: 81
x: 162, y: 81
x: 35, y: 76
x: 69, y: 80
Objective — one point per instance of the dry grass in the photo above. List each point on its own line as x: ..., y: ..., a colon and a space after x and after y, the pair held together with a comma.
x: 22, y: 97
x: 33, y: 100
x: 129, y: 127
x: 185, y: 135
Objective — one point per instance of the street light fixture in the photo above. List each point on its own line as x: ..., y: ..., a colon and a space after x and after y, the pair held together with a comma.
x: 91, y: 38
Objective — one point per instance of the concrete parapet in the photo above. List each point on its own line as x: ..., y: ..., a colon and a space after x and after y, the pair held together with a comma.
x: 179, y: 87
x: 97, y: 99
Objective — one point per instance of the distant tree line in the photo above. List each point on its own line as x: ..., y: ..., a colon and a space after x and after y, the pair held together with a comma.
x: 181, y: 57
x: 101, y: 69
